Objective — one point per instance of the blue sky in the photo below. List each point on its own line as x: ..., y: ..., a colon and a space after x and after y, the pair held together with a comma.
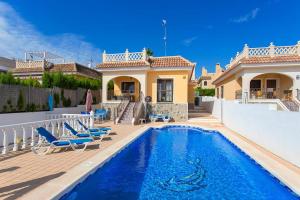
x: 205, y: 32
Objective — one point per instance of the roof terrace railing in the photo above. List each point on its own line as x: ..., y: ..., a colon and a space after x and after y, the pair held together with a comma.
x: 271, y: 51
x: 124, y: 57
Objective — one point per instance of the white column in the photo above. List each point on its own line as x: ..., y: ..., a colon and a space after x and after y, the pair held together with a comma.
x: 245, y: 87
x: 105, y: 80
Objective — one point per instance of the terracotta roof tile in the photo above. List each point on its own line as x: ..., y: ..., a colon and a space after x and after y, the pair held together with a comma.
x: 168, y: 61
x: 123, y: 64
x: 268, y: 59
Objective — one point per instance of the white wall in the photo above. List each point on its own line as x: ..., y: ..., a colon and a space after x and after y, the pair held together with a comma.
x: 276, y: 131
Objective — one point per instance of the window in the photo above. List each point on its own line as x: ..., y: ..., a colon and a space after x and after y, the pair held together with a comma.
x: 127, y: 87
x: 205, y: 83
x: 218, y: 92
x: 164, y: 90
x: 255, y: 84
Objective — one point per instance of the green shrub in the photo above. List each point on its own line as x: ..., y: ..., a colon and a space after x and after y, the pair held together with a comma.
x: 4, y: 108
x: 56, y: 99
x: 205, y: 92
x: 30, y: 107
x: 67, y: 102
x: 20, y: 103
x: 94, y: 100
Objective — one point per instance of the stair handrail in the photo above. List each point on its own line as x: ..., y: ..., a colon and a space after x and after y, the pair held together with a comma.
x: 121, y: 108
x: 138, y: 108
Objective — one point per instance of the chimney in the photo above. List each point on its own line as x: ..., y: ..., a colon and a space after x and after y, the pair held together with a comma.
x: 218, y: 68
x: 204, y: 72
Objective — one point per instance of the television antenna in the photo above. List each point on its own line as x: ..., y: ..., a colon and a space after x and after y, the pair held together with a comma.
x: 164, y: 24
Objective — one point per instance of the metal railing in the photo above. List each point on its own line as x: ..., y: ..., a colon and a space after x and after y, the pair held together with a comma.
x: 17, y: 137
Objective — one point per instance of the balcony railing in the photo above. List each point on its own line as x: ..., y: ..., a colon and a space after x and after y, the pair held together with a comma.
x: 271, y: 51
x: 124, y: 57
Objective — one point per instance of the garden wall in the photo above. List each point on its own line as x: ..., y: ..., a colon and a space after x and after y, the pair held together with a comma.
x: 36, y: 99
x: 276, y: 131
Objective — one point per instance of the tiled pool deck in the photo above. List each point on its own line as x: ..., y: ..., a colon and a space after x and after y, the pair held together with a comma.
x: 21, y: 176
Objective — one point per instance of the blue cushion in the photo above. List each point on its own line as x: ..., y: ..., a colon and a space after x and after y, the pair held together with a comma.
x: 99, y: 129
x: 61, y: 143
x: 97, y: 133
x: 83, y: 135
x: 81, y: 140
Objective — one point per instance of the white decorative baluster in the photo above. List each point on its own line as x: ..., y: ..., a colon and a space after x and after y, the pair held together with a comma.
x: 272, y: 49
x: 104, y: 56
x: 15, y: 148
x: 246, y: 51
x: 126, y: 55
x: 52, y: 128
x: 5, y: 142
x: 91, y: 119
x: 32, y: 136
x: 24, y: 138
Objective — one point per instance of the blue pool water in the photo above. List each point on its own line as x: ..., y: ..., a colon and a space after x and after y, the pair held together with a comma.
x: 180, y: 163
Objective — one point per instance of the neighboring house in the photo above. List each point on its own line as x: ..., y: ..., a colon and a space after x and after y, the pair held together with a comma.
x: 35, y: 69
x: 267, y: 74
x: 167, y: 81
x: 206, y: 79
x: 7, y: 64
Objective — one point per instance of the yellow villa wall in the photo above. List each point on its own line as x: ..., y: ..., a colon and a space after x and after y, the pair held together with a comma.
x: 119, y: 80
x: 191, y: 93
x: 231, y: 85
x: 180, y: 84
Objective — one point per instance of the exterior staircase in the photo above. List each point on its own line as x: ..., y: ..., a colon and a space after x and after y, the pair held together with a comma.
x: 127, y: 115
x: 197, y: 111
x: 291, y: 105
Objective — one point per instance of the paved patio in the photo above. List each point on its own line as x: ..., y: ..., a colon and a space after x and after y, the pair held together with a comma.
x: 24, y: 173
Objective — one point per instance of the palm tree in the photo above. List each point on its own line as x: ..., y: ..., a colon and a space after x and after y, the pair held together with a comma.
x: 149, y: 52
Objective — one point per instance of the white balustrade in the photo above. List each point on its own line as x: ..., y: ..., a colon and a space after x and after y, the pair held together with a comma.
x: 271, y: 51
x: 17, y: 134
x: 123, y: 57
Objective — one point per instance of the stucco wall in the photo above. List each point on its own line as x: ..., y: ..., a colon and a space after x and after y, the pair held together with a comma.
x: 191, y: 94
x: 180, y: 84
x: 275, y: 131
x: 231, y: 85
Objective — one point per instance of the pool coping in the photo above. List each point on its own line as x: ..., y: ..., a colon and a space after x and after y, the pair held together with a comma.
x: 58, y: 187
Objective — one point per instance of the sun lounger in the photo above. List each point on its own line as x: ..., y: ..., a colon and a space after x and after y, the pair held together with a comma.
x: 98, y: 134
x: 161, y: 117
x: 49, y: 142
x: 93, y: 129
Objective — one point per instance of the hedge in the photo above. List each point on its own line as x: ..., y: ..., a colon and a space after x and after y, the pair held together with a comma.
x: 205, y: 92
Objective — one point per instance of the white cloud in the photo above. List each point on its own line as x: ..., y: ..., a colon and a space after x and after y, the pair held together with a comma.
x: 245, y: 18
x: 18, y: 36
x: 188, y: 41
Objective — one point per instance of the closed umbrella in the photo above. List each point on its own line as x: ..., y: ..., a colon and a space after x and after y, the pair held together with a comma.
x: 89, y: 101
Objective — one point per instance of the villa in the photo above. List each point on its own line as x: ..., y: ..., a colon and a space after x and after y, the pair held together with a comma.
x: 166, y: 82
x: 6, y: 64
x: 34, y: 66
x: 263, y: 75
x: 206, y: 79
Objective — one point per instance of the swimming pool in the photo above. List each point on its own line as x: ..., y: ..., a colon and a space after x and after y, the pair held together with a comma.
x: 178, y: 162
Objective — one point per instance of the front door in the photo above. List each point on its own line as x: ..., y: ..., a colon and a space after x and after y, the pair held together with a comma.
x: 271, y: 86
